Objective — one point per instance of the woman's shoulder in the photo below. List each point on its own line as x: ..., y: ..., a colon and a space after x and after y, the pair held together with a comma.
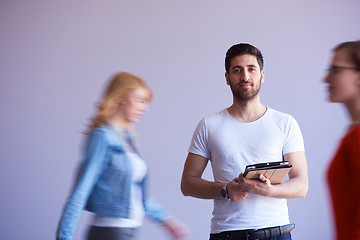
x: 105, y: 133
x: 353, y: 134
x: 101, y: 130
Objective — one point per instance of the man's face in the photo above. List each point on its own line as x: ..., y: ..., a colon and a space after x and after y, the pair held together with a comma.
x: 244, y: 77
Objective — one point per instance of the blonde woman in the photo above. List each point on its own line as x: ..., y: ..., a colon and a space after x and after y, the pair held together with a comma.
x: 343, y: 174
x: 112, y: 180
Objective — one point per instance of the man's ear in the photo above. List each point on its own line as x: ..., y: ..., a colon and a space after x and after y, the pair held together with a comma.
x: 262, y: 76
x: 227, y: 78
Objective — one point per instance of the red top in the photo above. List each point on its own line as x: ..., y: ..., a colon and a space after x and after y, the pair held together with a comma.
x: 344, y: 183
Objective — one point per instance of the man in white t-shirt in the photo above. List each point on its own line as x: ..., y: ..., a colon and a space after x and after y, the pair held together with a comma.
x: 247, y: 132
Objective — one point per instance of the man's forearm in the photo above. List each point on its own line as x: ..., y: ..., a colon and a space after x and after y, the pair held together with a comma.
x: 200, y: 188
x: 293, y: 188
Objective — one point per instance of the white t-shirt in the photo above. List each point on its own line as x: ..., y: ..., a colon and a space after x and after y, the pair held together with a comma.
x: 231, y: 145
x: 137, y: 211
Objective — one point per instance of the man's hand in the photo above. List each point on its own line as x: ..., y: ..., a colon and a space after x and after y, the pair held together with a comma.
x: 262, y: 186
x: 236, y: 191
x: 240, y: 187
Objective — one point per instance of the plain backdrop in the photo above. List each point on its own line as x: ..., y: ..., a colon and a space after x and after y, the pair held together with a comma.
x: 56, y: 57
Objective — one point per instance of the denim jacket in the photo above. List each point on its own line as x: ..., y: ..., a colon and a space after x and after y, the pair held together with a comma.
x: 103, y: 183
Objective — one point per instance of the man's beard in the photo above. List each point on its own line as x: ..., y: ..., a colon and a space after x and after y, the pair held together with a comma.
x: 244, y: 95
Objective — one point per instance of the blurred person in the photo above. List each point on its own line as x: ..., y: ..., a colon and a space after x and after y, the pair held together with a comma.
x: 247, y: 132
x: 112, y: 181
x: 343, y: 81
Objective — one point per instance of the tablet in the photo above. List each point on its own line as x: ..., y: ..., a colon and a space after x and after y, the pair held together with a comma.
x: 274, y: 171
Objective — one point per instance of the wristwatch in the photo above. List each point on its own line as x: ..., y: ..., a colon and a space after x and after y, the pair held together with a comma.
x: 224, y: 192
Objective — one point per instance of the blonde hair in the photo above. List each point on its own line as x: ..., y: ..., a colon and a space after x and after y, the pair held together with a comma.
x: 120, y: 85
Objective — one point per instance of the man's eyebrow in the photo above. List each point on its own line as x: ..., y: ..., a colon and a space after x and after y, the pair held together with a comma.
x: 252, y: 65
x: 249, y: 65
x: 236, y: 67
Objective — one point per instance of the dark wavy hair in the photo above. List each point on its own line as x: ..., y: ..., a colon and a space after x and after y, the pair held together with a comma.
x: 241, y: 49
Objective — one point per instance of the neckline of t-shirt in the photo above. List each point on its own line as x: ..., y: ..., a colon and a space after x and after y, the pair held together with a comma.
x: 253, y: 122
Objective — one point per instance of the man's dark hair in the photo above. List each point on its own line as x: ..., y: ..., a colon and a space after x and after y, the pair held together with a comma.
x: 241, y: 49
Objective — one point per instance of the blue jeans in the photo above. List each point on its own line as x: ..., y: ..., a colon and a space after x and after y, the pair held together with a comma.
x: 286, y: 236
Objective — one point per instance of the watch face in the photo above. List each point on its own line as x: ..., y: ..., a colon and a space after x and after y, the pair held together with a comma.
x: 223, y: 193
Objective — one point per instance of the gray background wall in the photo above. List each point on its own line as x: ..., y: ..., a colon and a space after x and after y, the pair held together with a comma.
x: 57, y: 55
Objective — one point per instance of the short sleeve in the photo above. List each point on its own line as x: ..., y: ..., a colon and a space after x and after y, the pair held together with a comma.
x: 293, y: 141
x: 199, y: 141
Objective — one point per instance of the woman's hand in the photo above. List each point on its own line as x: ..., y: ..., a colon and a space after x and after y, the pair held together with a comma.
x: 177, y: 229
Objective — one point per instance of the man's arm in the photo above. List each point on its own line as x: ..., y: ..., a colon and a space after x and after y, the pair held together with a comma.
x: 296, y: 186
x: 193, y: 185
x: 298, y: 183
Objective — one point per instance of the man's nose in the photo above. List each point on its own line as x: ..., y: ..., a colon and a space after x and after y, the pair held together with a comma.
x: 244, y: 76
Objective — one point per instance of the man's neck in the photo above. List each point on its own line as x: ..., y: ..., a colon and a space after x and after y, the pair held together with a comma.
x: 249, y: 111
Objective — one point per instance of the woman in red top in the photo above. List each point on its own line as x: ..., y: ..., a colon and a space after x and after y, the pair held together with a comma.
x: 343, y: 174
